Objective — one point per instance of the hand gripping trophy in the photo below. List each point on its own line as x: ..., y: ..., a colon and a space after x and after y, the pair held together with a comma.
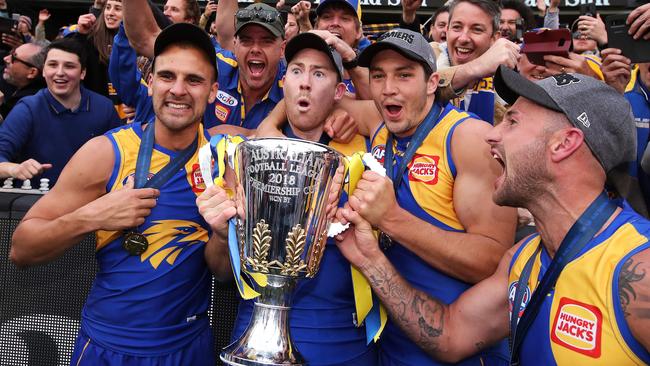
x: 286, y: 192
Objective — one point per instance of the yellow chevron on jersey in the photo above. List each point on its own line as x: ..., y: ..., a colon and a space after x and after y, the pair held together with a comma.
x: 582, y: 322
x: 128, y: 143
x: 431, y: 171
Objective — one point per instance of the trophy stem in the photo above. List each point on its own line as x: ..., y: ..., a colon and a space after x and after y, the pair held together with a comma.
x: 267, y: 339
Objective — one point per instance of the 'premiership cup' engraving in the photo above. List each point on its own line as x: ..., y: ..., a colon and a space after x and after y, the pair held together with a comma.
x: 277, y: 172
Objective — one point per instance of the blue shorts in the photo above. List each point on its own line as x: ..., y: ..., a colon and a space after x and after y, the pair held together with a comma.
x: 199, y: 352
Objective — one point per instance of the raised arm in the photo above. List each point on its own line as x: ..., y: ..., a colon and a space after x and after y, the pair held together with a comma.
x: 78, y: 205
x: 225, y: 20
x: 140, y: 25
x: 449, y: 333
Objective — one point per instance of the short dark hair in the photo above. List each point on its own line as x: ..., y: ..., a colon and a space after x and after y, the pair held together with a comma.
x: 490, y: 7
x: 432, y: 20
x: 69, y: 45
x: 192, y: 11
x: 524, y: 12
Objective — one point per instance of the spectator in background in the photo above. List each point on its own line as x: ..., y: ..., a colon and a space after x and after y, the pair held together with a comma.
x: 291, y: 28
x: 590, y: 32
x: 43, y: 131
x: 584, y: 45
x: 438, y: 25
x: 25, y: 28
x: 633, y: 81
x: 39, y: 32
x: 512, y: 13
x: 23, y: 70
x: 210, y: 9
x: 339, y: 23
x: 182, y: 11
x: 96, y: 35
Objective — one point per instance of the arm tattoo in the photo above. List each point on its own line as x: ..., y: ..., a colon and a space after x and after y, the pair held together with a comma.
x: 418, y: 315
x: 627, y: 276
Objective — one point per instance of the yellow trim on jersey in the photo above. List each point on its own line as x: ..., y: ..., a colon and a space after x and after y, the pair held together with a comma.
x: 595, y: 64
x: 633, y: 76
x: 230, y: 61
x: 584, y: 289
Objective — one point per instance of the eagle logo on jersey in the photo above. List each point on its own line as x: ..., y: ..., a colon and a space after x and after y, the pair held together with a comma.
x: 168, y: 238
x: 578, y: 327
x: 424, y: 168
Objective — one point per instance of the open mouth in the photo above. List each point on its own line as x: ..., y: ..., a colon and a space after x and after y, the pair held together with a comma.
x: 393, y: 110
x: 256, y: 67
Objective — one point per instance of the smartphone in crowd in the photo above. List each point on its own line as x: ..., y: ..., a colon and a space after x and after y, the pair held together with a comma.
x: 546, y: 42
x: 617, y: 37
x: 8, y: 26
x: 588, y: 9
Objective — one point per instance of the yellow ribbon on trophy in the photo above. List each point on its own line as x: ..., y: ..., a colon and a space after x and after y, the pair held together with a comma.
x: 220, y: 147
x: 367, y: 305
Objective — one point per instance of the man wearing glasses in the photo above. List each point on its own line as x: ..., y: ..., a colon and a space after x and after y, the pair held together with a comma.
x: 23, y: 71
x: 43, y: 131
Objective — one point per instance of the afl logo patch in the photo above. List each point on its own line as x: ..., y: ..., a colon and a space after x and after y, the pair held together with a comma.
x: 512, y: 290
x: 378, y: 153
x: 226, y: 99
x: 424, y: 168
x: 578, y: 327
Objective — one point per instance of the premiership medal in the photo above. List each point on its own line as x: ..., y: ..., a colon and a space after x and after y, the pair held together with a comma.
x: 135, y: 243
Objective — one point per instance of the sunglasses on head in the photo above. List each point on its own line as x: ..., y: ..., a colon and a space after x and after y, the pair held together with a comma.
x: 267, y: 16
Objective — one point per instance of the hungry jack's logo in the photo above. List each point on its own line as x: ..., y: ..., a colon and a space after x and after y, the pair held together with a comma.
x: 424, y: 168
x: 578, y: 327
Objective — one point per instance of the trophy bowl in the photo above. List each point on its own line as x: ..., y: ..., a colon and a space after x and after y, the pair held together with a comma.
x: 286, y: 191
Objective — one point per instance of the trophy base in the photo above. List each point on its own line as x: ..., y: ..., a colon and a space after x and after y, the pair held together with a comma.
x: 230, y: 359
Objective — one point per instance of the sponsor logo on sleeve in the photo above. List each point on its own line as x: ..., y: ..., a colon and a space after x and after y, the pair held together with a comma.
x: 578, y: 327
x: 221, y: 112
x: 226, y: 99
x: 198, y: 185
x: 424, y: 168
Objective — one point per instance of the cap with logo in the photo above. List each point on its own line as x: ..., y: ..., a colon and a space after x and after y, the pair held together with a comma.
x: 603, y: 114
x: 186, y: 33
x: 409, y: 44
x: 354, y: 5
x: 313, y: 41
x: 260, y: 14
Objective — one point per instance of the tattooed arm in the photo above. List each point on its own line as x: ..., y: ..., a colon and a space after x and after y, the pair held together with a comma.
x: 449, y: 333
x: 634, y: 295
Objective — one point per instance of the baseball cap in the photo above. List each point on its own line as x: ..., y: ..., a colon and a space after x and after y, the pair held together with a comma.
x: 409, y: 44
x: 354, y: 5
x: 603, y: 114
x: 186, y: 33
x: 314, y: 41
x: 260, y: 14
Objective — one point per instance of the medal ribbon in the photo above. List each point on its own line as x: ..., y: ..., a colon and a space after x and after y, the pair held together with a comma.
x: 143, y: 163
x: 220, y: 148
x: 367, y: 305
x: 582, y: 231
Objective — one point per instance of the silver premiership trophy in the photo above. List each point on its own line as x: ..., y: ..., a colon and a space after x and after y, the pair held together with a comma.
x: 286, y: 193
